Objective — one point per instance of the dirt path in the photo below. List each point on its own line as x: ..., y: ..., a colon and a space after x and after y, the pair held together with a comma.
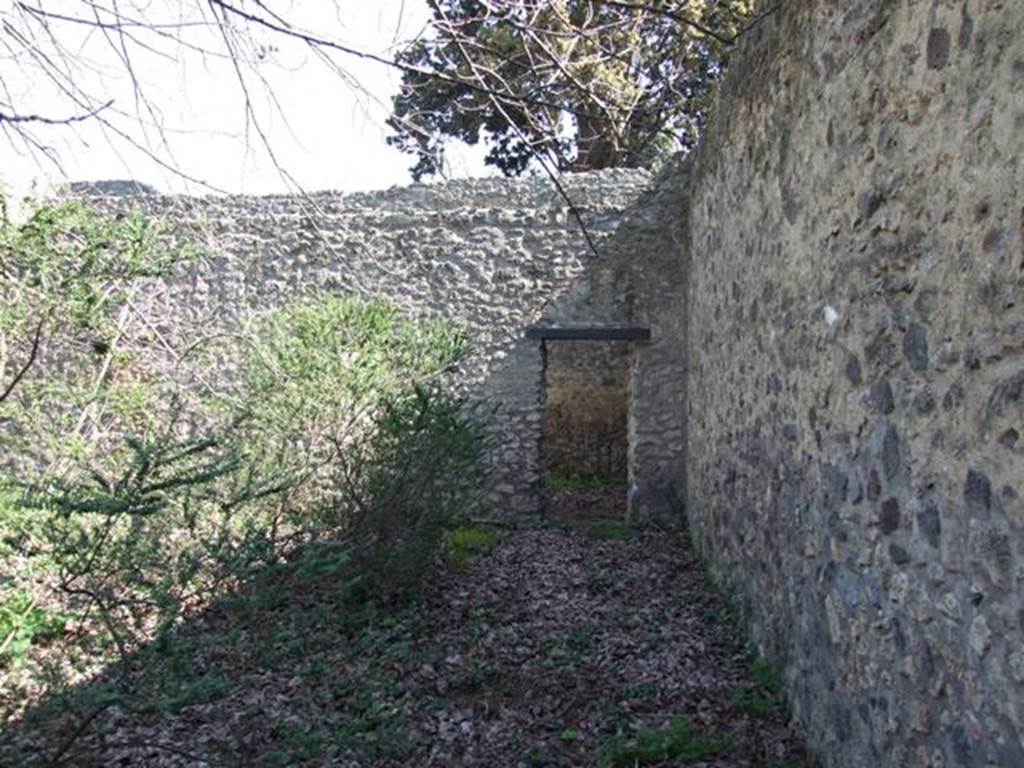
x: 558, y: 648
x: 570, y: 640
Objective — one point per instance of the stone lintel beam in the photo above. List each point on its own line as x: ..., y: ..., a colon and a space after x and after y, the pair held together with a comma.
x: 584, y: 333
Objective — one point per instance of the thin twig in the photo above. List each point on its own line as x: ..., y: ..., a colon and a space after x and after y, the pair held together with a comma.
x: 573, y: 209
x: 36, y: 342
x: 408, y: 68
x: 14, y: 118
x: 58, y: 756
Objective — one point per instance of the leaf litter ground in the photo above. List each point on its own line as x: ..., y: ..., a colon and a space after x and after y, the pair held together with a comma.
x: 570, y: 644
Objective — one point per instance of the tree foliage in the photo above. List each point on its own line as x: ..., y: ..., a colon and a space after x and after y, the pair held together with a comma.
x: 584, y: 84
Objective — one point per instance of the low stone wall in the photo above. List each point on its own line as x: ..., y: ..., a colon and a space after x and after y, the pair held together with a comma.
x: 856, y: 370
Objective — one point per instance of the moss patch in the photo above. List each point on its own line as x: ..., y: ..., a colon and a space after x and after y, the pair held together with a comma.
x: 470, y: 541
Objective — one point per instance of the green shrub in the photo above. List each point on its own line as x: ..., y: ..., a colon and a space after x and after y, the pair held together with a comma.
x: 348, y: 396
x: 340, y: 451
x: 332, y: 451
x: 23, y: 622
x: 421, y: 470
x: 323, y: 375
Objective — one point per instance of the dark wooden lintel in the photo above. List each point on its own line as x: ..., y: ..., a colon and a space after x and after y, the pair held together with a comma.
x: 589, y: 333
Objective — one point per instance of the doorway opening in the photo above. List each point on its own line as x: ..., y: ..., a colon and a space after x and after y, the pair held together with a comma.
x: 586, y: 430
x: 585, y: 452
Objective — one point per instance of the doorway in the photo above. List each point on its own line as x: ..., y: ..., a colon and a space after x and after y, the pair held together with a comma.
x: 585, y: 455
x: 586, y: 429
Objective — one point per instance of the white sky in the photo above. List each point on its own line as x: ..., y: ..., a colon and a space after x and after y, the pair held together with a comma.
x: 333, y: 137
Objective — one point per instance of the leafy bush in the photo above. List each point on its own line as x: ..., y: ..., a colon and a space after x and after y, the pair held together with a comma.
x: 67, y: 280
x: 151, y: 525
x: 340, y: 450
x: 418, y: 472
x: 23, y: 622
x: 321, y: 373
x: 334, y: 449
x: 348, y: 397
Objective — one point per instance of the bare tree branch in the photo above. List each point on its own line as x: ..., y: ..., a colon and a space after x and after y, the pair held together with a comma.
x: 15, y: 118
x: 315, y: 40
x: 37, y: 337
x: 551, y: 173
x: 671, y: 14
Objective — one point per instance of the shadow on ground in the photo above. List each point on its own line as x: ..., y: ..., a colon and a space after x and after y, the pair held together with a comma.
x: 559, y: 647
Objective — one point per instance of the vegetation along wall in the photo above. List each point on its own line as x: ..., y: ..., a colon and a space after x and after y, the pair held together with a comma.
x: 856, y: 370
x: 492, y: 256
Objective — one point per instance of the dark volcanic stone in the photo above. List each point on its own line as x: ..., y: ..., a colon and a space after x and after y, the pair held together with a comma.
x: 899, y: 555
x: 937, y: 53
x: 924, y: 401
x: 869, y: 203
x: 961, y: 745
x: 1009, y: 390
x: 978, y: 491
x: 881, y: 398
x: 954, y: 396
x: 880, y: 351
x: 966, y: 29
x: 889, y: 517
x: 915, y: 347
x: 874, y: 485
x: 853, y: 370
x: 891, y: 453
x: 930, y: 524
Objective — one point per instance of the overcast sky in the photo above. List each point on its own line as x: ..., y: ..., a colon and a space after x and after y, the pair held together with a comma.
x: 326, y: 134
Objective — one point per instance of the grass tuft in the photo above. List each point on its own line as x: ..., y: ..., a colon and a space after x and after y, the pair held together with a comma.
x: 764, y: 696
x: 648, y: 746
x: 608, y: 530
x: 470, y: 541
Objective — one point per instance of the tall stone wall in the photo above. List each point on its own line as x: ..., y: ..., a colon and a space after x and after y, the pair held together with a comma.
x: 494, y: 256
x: 856, y: 370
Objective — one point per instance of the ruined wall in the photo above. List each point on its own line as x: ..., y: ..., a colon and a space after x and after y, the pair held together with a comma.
x: 856, y: 370
x: 490, y: 255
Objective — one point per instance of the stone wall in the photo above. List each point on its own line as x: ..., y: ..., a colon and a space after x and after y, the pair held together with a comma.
x: 641, y: 282
x: 856, y: 370
x: 494, y: 256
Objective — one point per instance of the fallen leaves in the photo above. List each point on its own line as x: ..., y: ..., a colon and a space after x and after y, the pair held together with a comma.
x: 538, y: 653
